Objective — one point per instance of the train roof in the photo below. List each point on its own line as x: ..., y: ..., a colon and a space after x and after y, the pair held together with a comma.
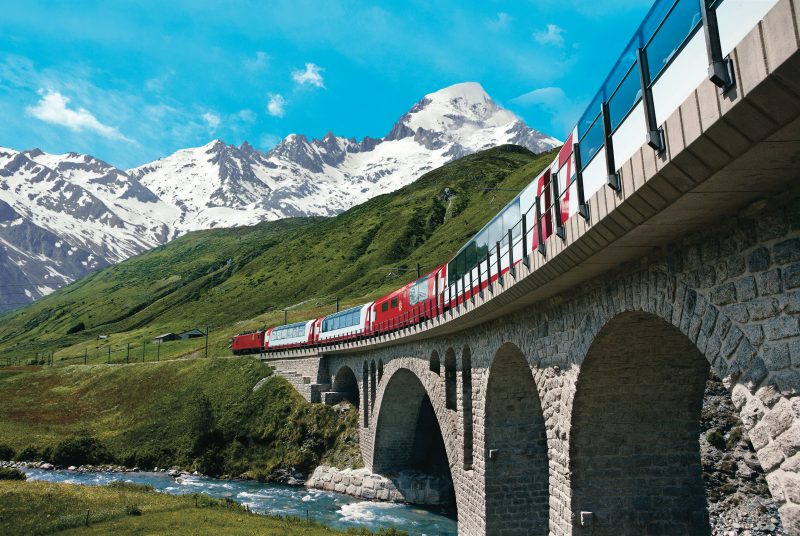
x: 346, y: 311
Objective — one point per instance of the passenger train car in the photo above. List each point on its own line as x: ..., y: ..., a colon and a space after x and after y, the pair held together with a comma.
x: 665, y: 60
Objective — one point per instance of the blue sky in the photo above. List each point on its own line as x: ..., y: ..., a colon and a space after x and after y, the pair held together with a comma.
x: 131, y: 81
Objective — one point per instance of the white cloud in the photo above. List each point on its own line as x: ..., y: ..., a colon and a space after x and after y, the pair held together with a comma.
x: 553, y: 103
x: 500, y: 22
x: 552, y: 35
x: 213, y: 120
x: 276, y: 105
x: 258, y: 63
x: 54, y: 108
x: 268, y: 141
x: 311, y: 76
x: 248, y: 116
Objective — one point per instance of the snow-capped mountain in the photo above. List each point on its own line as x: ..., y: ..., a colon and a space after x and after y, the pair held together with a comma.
x: 62, y: 216
x: 221, y: 185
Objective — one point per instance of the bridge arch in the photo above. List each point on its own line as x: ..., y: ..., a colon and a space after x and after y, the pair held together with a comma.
x: 412, y: 429
x: 345, y: 382
x: 516, y: 456
x: 435, y: 364
x: 634, y: 450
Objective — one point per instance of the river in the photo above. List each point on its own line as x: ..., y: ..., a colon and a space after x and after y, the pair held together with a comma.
x: 332, y: 509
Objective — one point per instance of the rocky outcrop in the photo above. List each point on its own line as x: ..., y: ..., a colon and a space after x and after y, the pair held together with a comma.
x: 739, y: 501
x: 404, y: 487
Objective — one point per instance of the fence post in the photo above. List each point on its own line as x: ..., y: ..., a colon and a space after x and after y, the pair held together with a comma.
x: 85, y: 354
x: 612, y: 177
x: 557, y: 203
x: 720, y: 69
x: 539, y: 234
x: 207, y: 340
x: 109, y: 354
x: 488, y: 269
x: 524, y: 223
x: 655, y: 136
x: 144, y: 349
x: 158, y: 352
x: 511, y: 268
x: 128, y: 354
x: 499, y: 263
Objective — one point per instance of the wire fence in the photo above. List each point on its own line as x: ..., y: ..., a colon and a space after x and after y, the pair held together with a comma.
x: 150, y: 350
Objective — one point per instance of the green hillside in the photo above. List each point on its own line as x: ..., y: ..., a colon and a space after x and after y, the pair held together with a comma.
x: 198, y: 414
x: 235, y: 279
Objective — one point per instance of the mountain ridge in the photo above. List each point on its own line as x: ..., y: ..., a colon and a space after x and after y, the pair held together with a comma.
x: 101, y: 215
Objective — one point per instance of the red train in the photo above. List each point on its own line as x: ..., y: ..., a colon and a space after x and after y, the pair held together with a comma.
x: 518, y: 229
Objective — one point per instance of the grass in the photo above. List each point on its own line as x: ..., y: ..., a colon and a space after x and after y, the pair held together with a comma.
x: 47, y: 508
x: 196, y: 414
x: 238, y: 279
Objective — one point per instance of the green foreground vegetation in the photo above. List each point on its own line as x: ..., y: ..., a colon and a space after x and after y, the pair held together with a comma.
x: 199, y: 414
x: 243, y: 278
x: 119, y: 508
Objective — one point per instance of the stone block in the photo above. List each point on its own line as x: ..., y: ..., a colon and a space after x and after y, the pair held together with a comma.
x: 758, y: 260
x: 791, y: 276
x: 779, y: 419
x: 726, y: 294
x: 776, y: 356
x: 787, y: 251
x: 770, y: 457
x: 782, y: 327
x: 791, y: 486
x: 763, y: 308
x: 769, y: 283
x: 789, y: 441
x: 746, y: 288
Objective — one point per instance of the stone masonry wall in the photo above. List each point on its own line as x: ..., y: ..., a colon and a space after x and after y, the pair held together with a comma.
x: 733, y: 291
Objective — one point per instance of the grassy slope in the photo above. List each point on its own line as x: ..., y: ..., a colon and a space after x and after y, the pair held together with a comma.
x: 198, y: 413
x: 355, y: 255
x: 46, y: 508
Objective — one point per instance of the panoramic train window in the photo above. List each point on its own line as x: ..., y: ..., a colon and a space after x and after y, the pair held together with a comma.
x: 344, y: 319
x: 288, y: 332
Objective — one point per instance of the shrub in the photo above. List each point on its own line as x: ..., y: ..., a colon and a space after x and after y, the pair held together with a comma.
x: 130, y: 486
x: 29, y: 454
x: 716, y: 439
x: 132, y: 510
x: 11, y: 473
x: 80, y: 451
x: 6, y: 452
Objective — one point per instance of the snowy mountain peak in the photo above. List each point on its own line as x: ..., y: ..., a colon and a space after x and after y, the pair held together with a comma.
x: 79, y: 213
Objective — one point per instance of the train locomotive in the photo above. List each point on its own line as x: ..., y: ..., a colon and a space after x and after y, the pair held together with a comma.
x: 517, y: 229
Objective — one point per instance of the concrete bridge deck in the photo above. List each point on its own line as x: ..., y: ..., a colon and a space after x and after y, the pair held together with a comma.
x: 567, y: 397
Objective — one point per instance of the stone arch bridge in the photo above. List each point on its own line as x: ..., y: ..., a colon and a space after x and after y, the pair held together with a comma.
x: 566, y: 399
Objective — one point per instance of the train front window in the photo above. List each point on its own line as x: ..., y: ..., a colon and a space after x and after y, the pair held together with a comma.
x: 384, y: 306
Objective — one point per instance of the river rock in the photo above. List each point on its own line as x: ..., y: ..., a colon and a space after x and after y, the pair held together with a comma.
x: 406, y: 486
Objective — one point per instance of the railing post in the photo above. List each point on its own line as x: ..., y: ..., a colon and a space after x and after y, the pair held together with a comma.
x: 720, y: 69
x: 511, y: 269
x: 539, y: 235
x: 480, y: 280
x: 524, y: 222
x: 499, y: 263
x: 611, y: 168
x: 488, y: 268
x: 557, y: 206
x: 583, y: 208
x: 471, y: 285
x: 655, y: 136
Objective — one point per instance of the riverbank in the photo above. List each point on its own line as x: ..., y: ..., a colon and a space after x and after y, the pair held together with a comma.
x: 194, y: 415
x: 334, y: 510
x: 126, y: 508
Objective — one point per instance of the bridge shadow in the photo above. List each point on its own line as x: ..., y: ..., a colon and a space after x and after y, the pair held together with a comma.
x: 516, y: 449
x: 409, y: 441
x: 634, y: 452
